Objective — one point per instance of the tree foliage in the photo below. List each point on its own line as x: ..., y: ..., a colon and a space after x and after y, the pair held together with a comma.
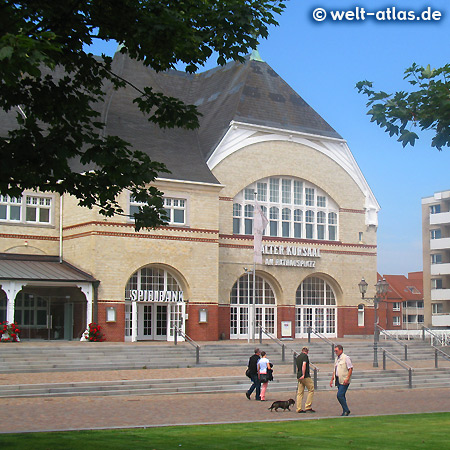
x: 426, y: 106
x: 56, y: 122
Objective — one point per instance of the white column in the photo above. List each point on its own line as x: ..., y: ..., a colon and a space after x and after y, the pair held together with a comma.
x: 134, y: 321
x: 88, y: 291
x: 12, y: 288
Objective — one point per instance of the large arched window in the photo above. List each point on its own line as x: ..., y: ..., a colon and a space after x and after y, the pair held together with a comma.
x: 160, y: 304
x: 293, y: 207
x: 242, y: 310
x: 315, y: 307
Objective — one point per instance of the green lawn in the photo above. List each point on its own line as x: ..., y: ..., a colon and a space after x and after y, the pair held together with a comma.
x: 403, y: 432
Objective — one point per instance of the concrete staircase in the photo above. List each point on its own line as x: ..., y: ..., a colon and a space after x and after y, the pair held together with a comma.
x: 31, y: 358
x: 369, y: 379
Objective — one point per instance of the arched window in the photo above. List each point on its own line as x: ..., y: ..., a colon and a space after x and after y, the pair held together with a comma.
x: 242, y: 311
x: 242, y: 291
x: 293, y: 207
x: 315, y: 307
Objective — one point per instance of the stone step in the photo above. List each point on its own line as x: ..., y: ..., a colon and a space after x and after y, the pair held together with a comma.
x: 284, y: 382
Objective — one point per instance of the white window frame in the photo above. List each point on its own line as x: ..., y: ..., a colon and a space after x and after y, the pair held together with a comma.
x: 436, y: 258
x: 28, y: 200
x: 273, y: 197
x: 396, y: 322
x: 436, y: 233
x: 435, y: 209
x: 396, y: 306
x: 171, y: 205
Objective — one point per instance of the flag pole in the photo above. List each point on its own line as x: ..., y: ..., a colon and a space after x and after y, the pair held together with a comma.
x: 254, y: 278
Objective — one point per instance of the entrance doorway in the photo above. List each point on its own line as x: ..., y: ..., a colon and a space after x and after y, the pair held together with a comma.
x: 47, y: 317
x: 156, y: 321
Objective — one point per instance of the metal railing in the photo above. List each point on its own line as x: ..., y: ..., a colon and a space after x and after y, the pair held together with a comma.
x: 179, y: 332
x: 276, y: 340
x: 390, y: 336
x: 438, y: 352
x: 311, y: 365
x: 399, y: 362
x: 434, y: 336
x: 311, y: 330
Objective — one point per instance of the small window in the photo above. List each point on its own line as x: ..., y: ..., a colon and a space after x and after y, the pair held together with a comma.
x: 36, y: 209
x: 396, y: 306
x: 309, y: 193
x: 360, y: 315
x: 435, y: 209
x: 435, y: 234
x: 396, y: 321
x: 321, y: 201
x: 436, y: 283
x: 437, y: 308
x: 436, y: 258
x: 175, y: 209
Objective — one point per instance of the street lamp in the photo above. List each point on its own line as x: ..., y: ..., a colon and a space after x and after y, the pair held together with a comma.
x: 381, y: 287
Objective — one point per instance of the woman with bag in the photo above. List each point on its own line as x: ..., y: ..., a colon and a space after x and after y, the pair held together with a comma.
x: 263, y: 366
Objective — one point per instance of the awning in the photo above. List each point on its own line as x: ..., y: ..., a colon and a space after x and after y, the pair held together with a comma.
x: 40, y: 268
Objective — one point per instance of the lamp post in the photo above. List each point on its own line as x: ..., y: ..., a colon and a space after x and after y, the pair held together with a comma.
x: 381, y: 287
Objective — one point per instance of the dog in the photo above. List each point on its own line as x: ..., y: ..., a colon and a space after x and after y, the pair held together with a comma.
x: 282, y: 404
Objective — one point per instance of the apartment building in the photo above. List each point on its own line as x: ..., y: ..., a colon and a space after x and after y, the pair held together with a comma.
x: 436, y: 259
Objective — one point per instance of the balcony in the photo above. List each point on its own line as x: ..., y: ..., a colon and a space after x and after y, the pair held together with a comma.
x: 440, y: 320
x: 440, y: 218
x: 440, y: 244
x: 440, y: 269
x: 440, y: 294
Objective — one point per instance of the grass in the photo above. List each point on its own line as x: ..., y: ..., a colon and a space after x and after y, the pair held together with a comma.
x: 402, y: 432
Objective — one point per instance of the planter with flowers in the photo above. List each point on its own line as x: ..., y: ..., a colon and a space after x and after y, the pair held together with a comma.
x: 9, y: 332
x: 93, y: 333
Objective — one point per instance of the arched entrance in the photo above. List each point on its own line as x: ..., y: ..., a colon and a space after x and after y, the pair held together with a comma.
x: 154, y: 305
x: 315, y: 307
x: 242, y: 309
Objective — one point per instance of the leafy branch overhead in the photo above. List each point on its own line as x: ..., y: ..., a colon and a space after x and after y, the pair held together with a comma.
x: 425, y: 107
x: 51, y: 89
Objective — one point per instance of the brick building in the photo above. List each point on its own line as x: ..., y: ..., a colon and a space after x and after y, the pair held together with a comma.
x: 72, y: 265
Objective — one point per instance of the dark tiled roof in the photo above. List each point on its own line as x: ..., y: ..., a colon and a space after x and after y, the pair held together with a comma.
x: 39, y: 268
x: 251, y: 93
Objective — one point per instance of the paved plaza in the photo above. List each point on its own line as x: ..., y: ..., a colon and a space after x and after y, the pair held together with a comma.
x: 75, y: 413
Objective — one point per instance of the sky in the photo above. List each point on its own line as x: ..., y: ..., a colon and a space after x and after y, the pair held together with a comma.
x: 323, y: 60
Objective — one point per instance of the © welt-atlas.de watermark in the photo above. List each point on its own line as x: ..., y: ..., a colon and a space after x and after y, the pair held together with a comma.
x: 393, y: 14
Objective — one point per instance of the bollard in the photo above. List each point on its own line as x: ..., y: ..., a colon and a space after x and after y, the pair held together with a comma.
x: 384, y: 359
x: 406, y: 352
x: 436, y: 363
x: 410, y: 377
x: 332, y: 352
x: 260, y: 335
x: 315, y: 379
x: 197, y: 355
x: 283, y: 353
x: 175, y: 335
x: 295, y: 362
x: 309, y: 335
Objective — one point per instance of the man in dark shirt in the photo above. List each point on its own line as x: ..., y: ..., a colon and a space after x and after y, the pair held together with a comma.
x: 304, y: 380
x: 253, y: 371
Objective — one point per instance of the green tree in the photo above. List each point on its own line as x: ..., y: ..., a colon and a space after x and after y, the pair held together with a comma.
x: 56, y: 120
x: 426, y: 106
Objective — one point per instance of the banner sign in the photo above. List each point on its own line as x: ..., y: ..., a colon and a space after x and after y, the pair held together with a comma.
x: 138, y: 295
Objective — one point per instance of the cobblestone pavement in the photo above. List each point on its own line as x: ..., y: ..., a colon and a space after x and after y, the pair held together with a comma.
x: 74, y: 413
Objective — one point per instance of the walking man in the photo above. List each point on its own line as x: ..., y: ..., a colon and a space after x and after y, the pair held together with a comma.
x: 342, y: 374
x: 253, y: 371
x: 304, y: 380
